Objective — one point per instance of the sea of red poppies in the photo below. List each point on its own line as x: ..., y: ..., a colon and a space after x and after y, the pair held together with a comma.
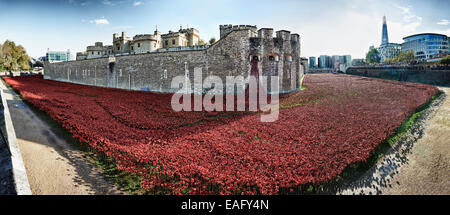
x: 336, y: 121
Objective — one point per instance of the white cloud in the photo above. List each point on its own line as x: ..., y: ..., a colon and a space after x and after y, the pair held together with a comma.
x: 107, y: 2
x: 80, y: 2
x: 101, y: 21
x: 408, y: 15
x: 137, y: 3
x: 443, y: 22
x: 353, y: 33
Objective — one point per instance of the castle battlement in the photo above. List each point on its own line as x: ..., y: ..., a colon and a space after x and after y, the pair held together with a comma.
x: 226, y: 29
x: 144, y: 37
x: 138, y: 66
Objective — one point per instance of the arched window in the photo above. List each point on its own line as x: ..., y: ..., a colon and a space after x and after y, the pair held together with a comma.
x: 273, y: 58
x: 255, y: 57
x: 288, y: 58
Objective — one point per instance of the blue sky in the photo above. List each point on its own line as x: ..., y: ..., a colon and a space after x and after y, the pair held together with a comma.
x: 332, y: 27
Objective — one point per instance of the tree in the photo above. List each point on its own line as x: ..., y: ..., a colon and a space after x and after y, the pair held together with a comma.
x: 14, y: 57
x: 445, y: 60
x: 201, y: 42
x: 373, y: 56
x: 1, y: 58
x: 212, y: 41
x: 404, y: 56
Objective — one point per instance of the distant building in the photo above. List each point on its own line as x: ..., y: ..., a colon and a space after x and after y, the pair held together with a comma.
x: 324, y: 61
x: 358, y: 62
x: 312, y: 62
x: 448, y: 42
x: 334, y: 61
x: 95, y: 51
x: 426, y: 46
x: 384, y: 34
x: 389, y: 50
x: 57, y: 56
x: 386, y: 49
x: 184, y: 37
x: 348, y: 60
x: 143, y: 43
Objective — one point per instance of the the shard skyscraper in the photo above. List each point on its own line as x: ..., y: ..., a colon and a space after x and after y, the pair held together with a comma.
x: 384, y: 36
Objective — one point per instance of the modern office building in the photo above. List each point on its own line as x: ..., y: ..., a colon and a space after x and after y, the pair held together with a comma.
x: 389, y: 50
x: 324, y: 61
x: 347, y: 60
x: 57, y: 56
x: 335, y: 61
x: 312, y: 62
x: 426, y: 46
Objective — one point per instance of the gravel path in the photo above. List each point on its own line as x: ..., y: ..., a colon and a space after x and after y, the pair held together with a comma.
x: 419, y: 163
x: 53, y: 165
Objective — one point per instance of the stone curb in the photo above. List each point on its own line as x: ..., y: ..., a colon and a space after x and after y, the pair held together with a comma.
x: 18, y: 168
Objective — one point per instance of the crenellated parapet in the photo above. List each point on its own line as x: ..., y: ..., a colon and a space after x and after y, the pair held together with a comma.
x: 144, y: 37
x: 226, y: 29
x: 243, y: 50
x: 278, y: 56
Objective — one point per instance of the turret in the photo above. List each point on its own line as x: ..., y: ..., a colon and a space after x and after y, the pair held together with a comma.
x: 265, y: 33
x: 284, y: 35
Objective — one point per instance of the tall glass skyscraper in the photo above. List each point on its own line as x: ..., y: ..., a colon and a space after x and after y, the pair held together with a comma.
x: 384, y: 36
x: 386, y: 49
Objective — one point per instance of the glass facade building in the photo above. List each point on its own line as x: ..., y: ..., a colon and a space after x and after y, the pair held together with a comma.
x: 384, y: 35
x: 312, y: 62
x: 57, y: 56
x: 324, y: 61
x: 389, y: 50
x: 426, y: 46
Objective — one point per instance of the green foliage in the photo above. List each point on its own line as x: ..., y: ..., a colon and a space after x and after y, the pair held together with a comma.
x: 445, y: 60
x: 13, y: 57
x: 212, y: 41
x: 402, y: 57
x: 201, y: 42
x: 373, y: 56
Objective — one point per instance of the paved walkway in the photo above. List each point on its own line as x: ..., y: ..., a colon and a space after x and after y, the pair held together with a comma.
x: 428, y: 168
x: 419, y: 163
x: 6, y: 174
x: 53, y: 165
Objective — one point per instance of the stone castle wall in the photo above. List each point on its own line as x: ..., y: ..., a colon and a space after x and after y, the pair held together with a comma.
x: 417, y: 74
x: 230, y: 56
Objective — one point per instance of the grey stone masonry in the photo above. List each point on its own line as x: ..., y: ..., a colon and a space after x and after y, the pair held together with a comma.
x: 230, y: 56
